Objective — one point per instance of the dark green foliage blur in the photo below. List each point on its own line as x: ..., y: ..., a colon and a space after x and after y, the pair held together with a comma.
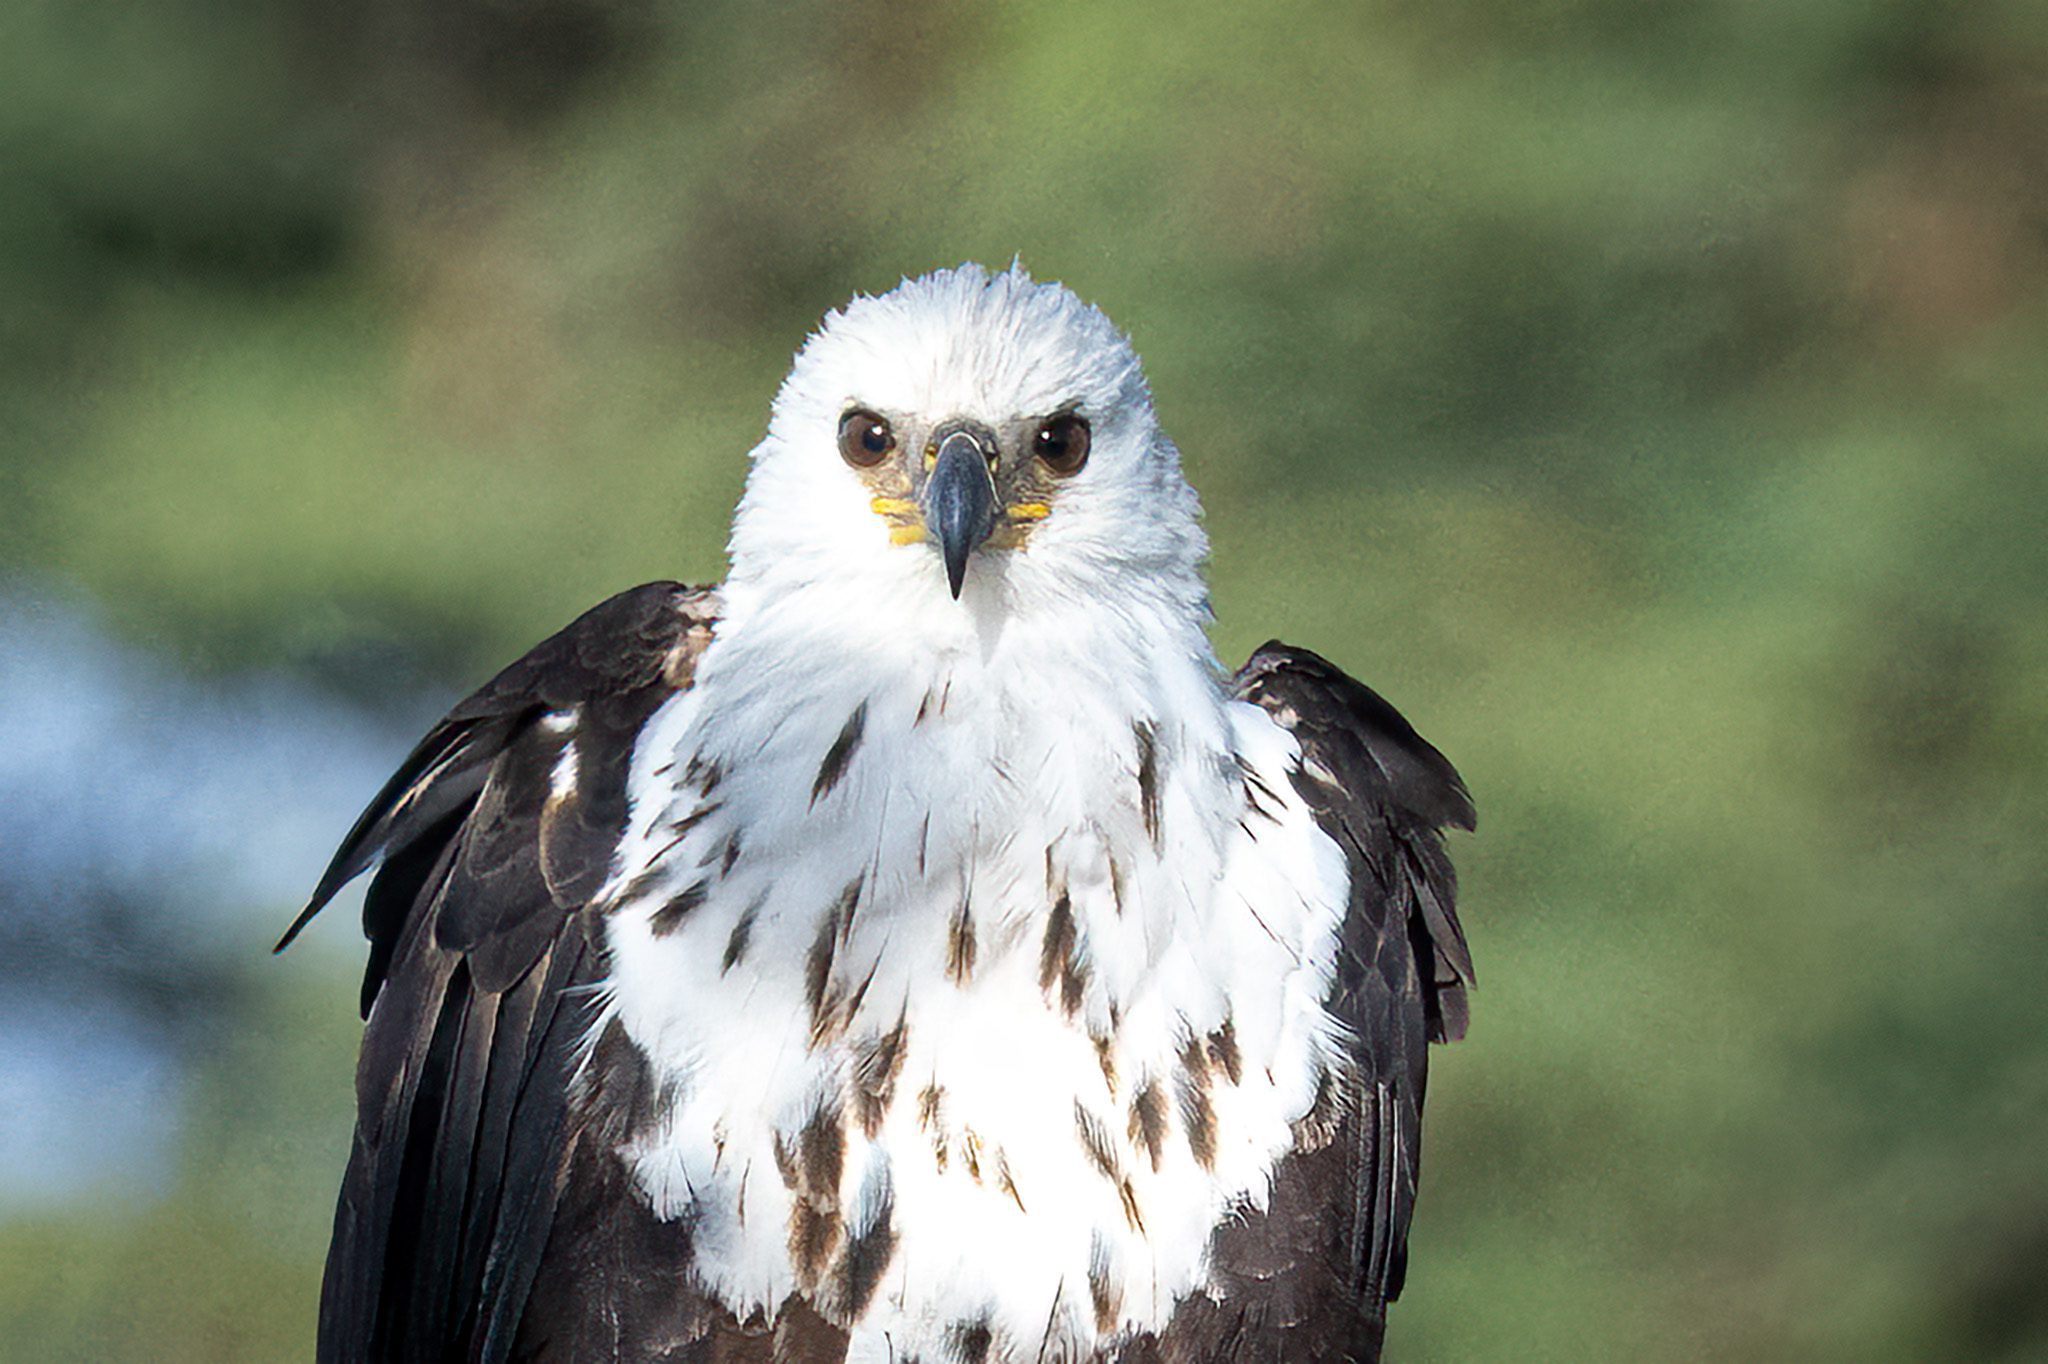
x: 1650, y: 399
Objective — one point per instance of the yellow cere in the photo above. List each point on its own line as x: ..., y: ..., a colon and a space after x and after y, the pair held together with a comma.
x: 893, y: 506
x: 906, y: 535
x: 1030, y: 511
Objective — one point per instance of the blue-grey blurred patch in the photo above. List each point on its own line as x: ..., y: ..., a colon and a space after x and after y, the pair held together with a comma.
x: 158, y: 830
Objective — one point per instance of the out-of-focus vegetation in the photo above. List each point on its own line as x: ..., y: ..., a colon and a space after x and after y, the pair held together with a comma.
x: 1650, y: 399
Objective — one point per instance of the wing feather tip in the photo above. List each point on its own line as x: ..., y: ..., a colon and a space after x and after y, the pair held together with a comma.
x: 318, y: 901
x: 305, y: 916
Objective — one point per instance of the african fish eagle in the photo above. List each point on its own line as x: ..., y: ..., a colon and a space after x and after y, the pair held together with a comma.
x: 917, y: 947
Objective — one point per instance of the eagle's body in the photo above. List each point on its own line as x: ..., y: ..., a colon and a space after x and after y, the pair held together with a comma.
x: 839, y: 966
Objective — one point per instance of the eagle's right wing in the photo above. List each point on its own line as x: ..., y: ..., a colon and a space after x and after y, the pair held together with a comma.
x: 489, y: 843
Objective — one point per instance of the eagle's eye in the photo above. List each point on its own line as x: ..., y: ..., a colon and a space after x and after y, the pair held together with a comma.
x: 864, y: 438
x: 1062, y: 442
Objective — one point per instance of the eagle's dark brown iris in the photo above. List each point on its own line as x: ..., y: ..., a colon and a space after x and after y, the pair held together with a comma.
x: 865, y: 439
x: 1062, y: 442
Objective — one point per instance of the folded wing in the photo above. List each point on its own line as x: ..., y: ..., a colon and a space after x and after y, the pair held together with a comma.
x: 1316, y: 1270
x: 488, y: 843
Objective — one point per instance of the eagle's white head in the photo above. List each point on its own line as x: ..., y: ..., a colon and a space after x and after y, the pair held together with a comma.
x: 969, y: 447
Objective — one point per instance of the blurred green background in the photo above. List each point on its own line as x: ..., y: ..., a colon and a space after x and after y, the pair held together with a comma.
x: 1650, y: 399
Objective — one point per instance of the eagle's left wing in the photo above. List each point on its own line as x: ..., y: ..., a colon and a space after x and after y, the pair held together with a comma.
x: 1311, y: 1276
x: 489, y: 843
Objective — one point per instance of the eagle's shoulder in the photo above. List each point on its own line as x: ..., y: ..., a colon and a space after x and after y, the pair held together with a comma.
x: 1356, y: 734
x: 585, y: 689
x: 1385, y: 794
x: 646, y: 636
x: 488, y: 843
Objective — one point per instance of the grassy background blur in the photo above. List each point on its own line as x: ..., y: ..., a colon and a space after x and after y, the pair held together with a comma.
x: 1649, y: 399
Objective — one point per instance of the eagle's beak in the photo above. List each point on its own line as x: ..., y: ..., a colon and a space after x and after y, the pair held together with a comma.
x: 960, y: 500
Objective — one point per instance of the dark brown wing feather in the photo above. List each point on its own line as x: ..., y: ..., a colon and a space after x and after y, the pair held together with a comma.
x: 1310, y: 1278
x: 479, y: 931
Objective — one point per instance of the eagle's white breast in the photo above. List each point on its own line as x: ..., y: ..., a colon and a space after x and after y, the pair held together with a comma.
x: 1035, y: 1098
